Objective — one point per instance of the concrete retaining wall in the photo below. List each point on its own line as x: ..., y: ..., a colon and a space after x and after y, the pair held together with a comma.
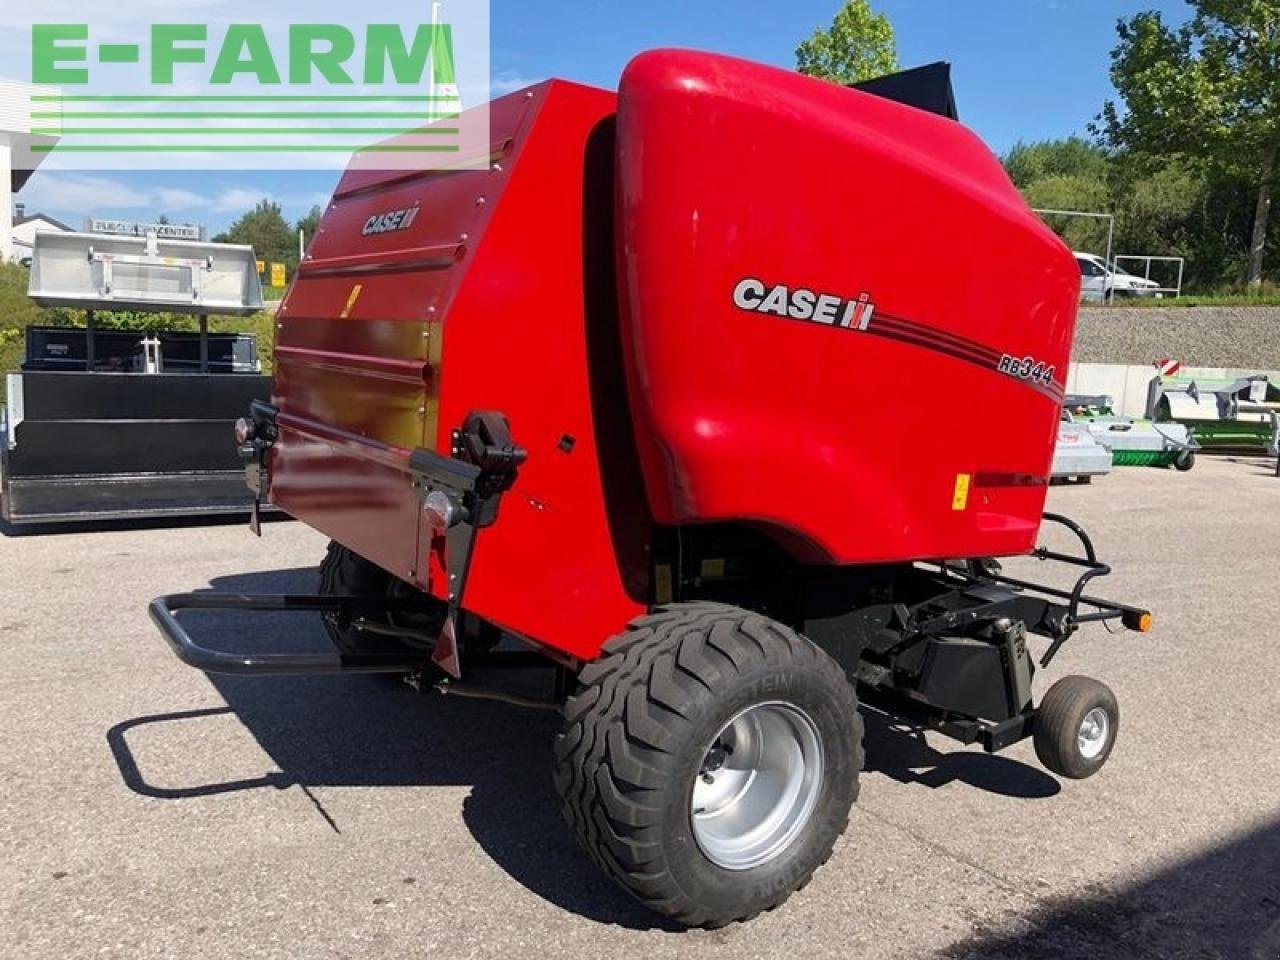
x: 1237, y: 337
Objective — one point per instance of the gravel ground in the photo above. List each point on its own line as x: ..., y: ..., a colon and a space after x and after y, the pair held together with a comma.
x: 150, y: 811
x: 1243, y: 337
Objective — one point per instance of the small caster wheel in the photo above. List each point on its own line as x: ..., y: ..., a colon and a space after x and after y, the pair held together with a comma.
x: 1076, y: 726
x: 1186, y: 460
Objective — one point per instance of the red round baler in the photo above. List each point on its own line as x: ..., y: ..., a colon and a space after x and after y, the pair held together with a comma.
x: 646, y: 391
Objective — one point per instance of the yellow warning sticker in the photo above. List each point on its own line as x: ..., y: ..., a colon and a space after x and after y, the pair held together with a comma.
x: 351, y: 301
x: 960, y: 498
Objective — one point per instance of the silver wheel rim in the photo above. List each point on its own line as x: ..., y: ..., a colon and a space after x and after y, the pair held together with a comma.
x: 757, y: 786
x: 1091, y: 739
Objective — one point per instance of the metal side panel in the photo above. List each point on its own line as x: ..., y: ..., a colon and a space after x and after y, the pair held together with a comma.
x: 96, y: 272
x: 116, y: 496
x: 87, y: 446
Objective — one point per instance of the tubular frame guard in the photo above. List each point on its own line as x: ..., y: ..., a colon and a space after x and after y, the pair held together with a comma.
x: 164, y: 610
x: 1134, y: 618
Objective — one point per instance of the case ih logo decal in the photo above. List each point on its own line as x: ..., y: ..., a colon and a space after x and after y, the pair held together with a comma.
x: 799, y: 303
x: 390, y: 222
x: 802, y: 304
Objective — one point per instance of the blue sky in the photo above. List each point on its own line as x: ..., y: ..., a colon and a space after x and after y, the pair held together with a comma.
x: 1022, y: 69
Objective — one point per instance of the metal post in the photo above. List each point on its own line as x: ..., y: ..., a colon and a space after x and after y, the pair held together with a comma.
x: 88, y: 341
x: 204, y: 343
x: 1111, y: 231
x: 6, y: 214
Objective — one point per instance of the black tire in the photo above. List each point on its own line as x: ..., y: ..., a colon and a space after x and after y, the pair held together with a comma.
x: 1186, y: 460
x: 641, y: 727
x: 1059, y: 723
x: 344, y: 573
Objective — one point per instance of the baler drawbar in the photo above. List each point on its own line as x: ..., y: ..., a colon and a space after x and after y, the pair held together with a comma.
x: 614, y: 399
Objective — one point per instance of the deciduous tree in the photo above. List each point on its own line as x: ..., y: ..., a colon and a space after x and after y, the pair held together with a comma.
x: 1208, y: 88
x: 859, y: 45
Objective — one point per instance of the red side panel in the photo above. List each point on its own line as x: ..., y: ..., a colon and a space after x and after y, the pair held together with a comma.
x: 491, y: 298
x: 358, y: 344
x: 533, y: 332
x: 886, y: 432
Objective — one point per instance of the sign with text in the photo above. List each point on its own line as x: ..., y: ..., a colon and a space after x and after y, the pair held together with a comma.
x: 129, y: 228
x: 215, y: 84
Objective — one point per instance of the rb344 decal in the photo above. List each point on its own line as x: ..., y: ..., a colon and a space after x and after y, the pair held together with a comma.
x: 1026, y: 368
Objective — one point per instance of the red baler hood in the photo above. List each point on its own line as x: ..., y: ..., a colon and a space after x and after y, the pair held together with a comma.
x: 900, y: 397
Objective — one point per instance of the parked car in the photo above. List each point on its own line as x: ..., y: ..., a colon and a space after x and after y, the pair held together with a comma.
x: 1097, y: 280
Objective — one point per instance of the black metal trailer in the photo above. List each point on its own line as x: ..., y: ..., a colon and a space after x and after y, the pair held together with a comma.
x: 107, y: 424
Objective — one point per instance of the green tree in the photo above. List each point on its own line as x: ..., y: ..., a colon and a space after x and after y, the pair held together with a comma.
x: 1209, y: 88
x: 310, y: 223
x: 859, y: 45
x: 1168, y: 205
x: 1027, y: 163
x: 1067, y: 192
x: 266, y: 229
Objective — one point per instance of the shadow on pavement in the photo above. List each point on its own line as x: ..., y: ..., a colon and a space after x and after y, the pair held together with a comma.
x: 900, y: 751
x: 364, y: 730
x: 367, y: 731
x: 1221, y: 905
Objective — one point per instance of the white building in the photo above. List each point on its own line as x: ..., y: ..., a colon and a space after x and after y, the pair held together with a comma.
x: 27, y: 225
x: 18, y: 160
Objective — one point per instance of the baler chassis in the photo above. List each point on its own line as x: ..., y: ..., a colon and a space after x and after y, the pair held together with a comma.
x: 890, y: 649
x: 983, y: 594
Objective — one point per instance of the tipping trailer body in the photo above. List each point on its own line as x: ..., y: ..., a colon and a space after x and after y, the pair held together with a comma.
x: 696, y: 301
x: 103, y: 424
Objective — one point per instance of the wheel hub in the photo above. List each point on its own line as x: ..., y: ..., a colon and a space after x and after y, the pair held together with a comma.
x: 1094, y: 730
x: 757, y: 786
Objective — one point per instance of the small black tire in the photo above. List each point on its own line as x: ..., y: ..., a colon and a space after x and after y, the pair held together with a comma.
x: 1185, y: 461
x: 1063, y: 742
x: 651, y: 716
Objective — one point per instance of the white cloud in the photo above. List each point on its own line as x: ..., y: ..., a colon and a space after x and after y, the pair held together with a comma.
x: 72, y: 191
x: 171, y: 198
x: 505, y: 82
x: 238, y: 199
x: 73, y: 195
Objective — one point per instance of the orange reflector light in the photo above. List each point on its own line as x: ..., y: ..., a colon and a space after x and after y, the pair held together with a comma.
x: 1139, y: 620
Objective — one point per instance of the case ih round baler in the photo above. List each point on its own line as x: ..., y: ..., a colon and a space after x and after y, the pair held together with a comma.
x: 644, y: 394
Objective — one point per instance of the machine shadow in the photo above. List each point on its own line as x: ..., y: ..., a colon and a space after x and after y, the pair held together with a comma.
x: 376, y: 731
x: 1224, y: 902
x: 900, y: 751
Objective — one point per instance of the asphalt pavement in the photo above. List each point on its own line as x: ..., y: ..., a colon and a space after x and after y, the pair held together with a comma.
x: 147, y: 810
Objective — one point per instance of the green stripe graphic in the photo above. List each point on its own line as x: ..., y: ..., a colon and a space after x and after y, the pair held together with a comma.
x: 118, y: 53
x: 244, y: 148
x: 237, y: 131
x: 229, y: 115
x: 274, y: 98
